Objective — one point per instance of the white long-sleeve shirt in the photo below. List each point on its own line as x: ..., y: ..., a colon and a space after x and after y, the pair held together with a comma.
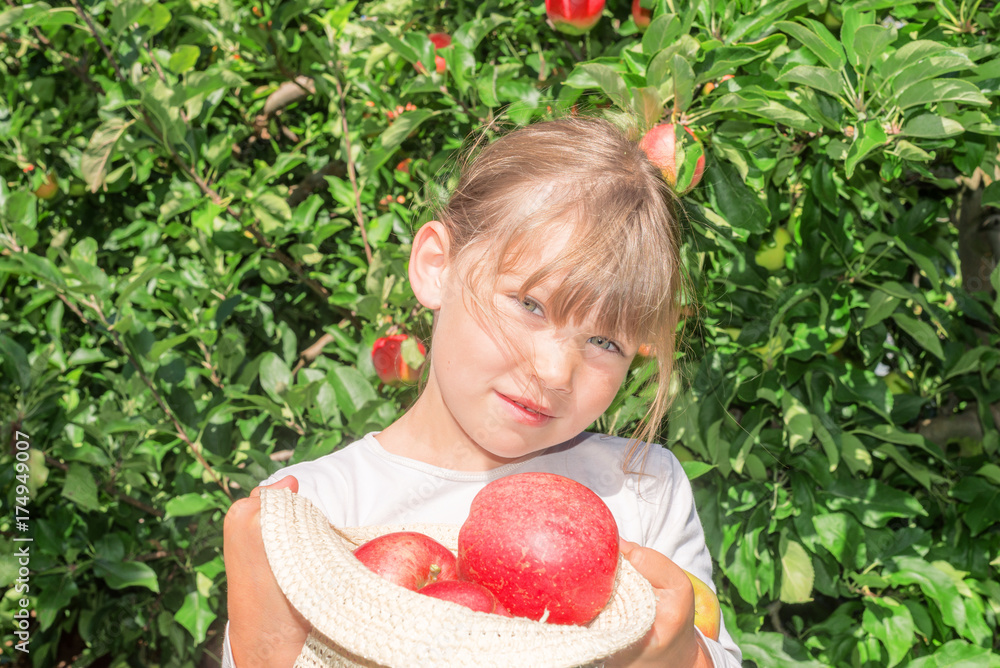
x: 363, y: 484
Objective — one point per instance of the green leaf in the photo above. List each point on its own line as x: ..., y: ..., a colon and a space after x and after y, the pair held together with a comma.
x: 191, y: 503
x: 661, y: 32
x: 797, y: 573
x: 14, y: 360
x: 798, y: 423
x: 471, y: 33
x: 853, y: 20
x: 776, y: 650
x: 394, y: 136
x: 610, y: 82
x: 352, y: 389
x: 737, y: 203
x: 984, y: 511
x: 273, y: 272
x: 275, y: 376
x: 936, y: 585
x: 271, y: 211
x: 930, y: 68
x: 399, y: 46
x: 184, y: 58
x: 122, y: 574
x: 872, y: 502
x: 921, y: 332
x: 912, y: 53
x: 765, y: 17
x: 683, y: 77
x: 196, y: 616
x: 127, y: 12
x: 160, y: 347
x: 958, y: 654
x: 814, y: 36
x: 726, y: 59
x: 870, y: 42
x: 991, y: 195
x: 695, y: 469
x: 820, y: 78
x: 461, y: 65
x: 893, y: 434
x: 941, y: 90
x: 891, y: 623
x: 881, y: 305
x: 97, y: 156
x: 842, y: 536
x: 868, y: 138
x: 931, y: 126
x: 80, y: 487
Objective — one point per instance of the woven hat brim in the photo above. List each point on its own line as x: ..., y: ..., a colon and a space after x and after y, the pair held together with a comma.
x: 377, y: 621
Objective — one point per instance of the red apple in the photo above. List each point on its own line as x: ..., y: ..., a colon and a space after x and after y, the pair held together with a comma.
x: 408, y: 558
x: 471, y: 595
x: 641, y: 15
x: 439, y: 40
x: 660, y: 145
x: 574, y: 17
x: 387, y: 356
x: 545, y: 545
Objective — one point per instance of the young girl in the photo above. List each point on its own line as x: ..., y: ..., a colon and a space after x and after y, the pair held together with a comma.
x: 554, y: 260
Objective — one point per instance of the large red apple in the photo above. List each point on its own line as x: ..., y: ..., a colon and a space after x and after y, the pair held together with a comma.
x: 471, y: 595
x: 545, y: 545
x: 408, y: 558
x: 660, y: 145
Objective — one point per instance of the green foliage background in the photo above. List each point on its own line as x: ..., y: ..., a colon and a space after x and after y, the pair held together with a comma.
x: 195, y: 306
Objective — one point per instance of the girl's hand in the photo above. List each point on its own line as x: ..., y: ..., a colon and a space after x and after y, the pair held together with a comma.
x: 673, y: 640
x: 265, y: 631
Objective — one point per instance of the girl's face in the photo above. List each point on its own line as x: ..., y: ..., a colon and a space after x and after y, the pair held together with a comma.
x: 512, y: 390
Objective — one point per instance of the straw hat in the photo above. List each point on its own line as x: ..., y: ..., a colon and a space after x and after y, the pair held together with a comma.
x: 360, y: 619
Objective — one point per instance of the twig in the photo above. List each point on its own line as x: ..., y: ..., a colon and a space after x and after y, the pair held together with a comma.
x: 312, y: 352
x: 350, y: 170
x: 178, y: 428
x: 52, y: 461
x: 315, y: 180
x: 772, y: 610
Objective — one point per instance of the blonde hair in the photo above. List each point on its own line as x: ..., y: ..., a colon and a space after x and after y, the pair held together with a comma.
x: 621, y: 264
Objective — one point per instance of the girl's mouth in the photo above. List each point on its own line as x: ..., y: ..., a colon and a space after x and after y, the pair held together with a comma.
x: 526, y: 412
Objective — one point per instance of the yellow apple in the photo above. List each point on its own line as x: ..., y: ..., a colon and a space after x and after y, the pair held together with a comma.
x: 707, y: 615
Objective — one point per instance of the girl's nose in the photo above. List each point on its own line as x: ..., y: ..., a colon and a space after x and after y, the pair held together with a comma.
x: 554, y: 362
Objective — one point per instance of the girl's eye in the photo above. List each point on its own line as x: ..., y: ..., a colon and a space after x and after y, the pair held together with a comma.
x: 605, y: 343
x: 530, y: 305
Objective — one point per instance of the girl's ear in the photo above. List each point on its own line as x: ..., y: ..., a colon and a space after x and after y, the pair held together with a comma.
x: 429, y: 263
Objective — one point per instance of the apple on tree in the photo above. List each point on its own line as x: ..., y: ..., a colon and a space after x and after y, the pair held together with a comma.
x: 661, y: 147
x: 390, y: 355
x: 439, y: 40
x: 642, y: 16
x: 574, y: 17
x: 545, y: 545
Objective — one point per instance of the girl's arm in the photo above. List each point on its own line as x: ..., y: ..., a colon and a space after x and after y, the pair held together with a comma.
x: 673, y: 640
x: 264, y: 631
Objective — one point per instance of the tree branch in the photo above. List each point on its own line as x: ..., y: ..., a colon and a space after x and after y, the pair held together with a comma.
x: 110, y: 489
x: 350, y: 170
